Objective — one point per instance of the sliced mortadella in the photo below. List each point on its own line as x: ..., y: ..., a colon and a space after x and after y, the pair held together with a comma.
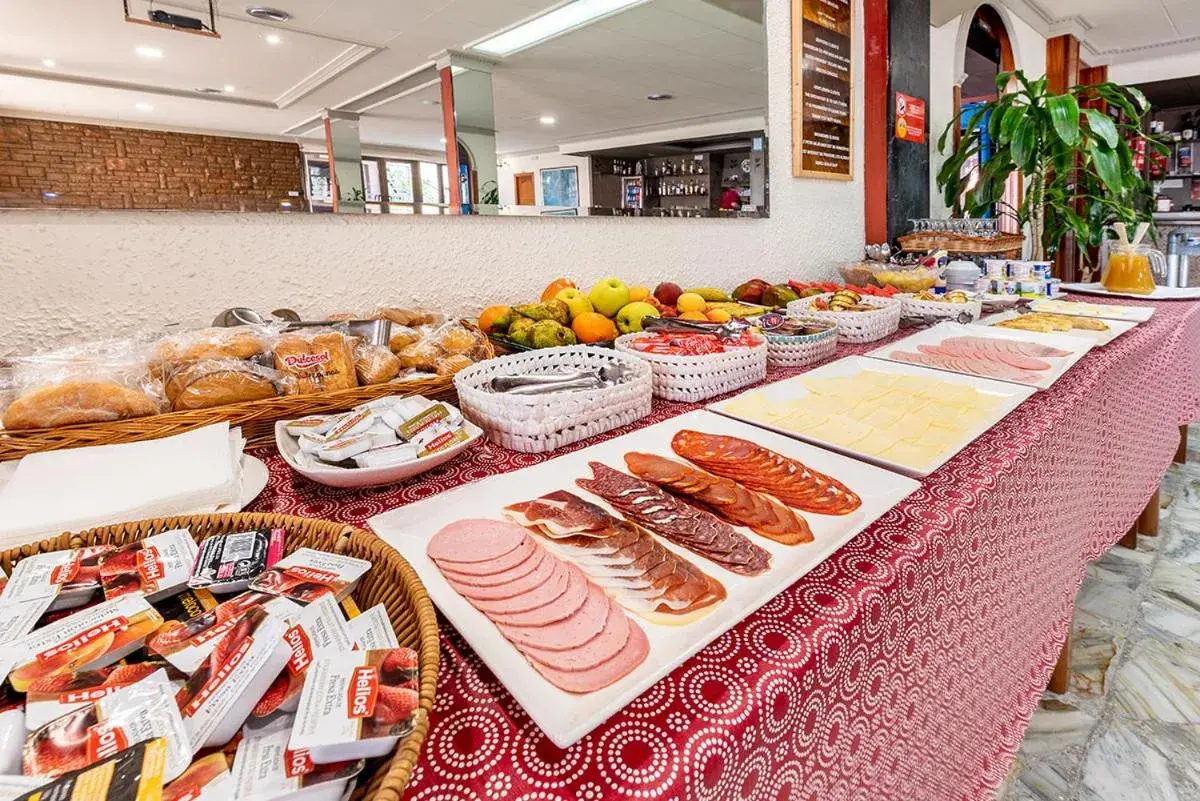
x: 490, y: 579
x: 604, y: 675
x: 595, y: 652
x: 542, y: 572
x: 477, y: 540
x: 561, y: 608
x: 508, y: 561
x: 570, y: 632
x: 548, y: 590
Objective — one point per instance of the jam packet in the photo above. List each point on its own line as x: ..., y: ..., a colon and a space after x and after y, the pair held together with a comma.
x: 218, y: 697
x: 433, y: 430
x: 89, y: 639
x: 206, y: 779
x: 12, y: 741
x: 318, y: 629
x: 265, y: 767
x: 357, y: 704
x: 69, y: 577
x: 186, y: 605
x: 157, y: 567
x: 306, y: 574
x: 55, y: 696
x: 134, y: 774
x: 227, y: 563
x: 19, y: 618
x: 187, y: 644
x: 372, y: 630
x: 134, y: 714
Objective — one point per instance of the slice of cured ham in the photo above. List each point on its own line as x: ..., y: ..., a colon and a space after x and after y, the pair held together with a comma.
x: 568, y: 629
x: 622, y: 557
x: 723, y: 496
x: 758, y: 468
x: 699, y: 531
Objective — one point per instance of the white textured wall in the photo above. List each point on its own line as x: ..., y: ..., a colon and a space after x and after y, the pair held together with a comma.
x: 65, y: 275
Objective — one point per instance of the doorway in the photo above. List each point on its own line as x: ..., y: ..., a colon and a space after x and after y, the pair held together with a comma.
x: 525, y: 189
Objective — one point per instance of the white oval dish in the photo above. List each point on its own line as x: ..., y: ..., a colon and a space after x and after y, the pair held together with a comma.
x: 354, y: 478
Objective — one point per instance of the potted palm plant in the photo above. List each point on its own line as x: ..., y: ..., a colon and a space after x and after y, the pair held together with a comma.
x: 1077, y: 161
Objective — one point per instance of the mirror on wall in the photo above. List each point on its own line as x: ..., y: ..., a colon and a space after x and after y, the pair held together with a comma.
x: 537, y: 108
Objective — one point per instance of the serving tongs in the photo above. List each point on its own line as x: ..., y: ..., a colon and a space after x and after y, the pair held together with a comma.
x: 673, y: 325
x: 545, y: 383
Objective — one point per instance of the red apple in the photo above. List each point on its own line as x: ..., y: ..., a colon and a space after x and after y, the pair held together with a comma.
x: 668, y: 293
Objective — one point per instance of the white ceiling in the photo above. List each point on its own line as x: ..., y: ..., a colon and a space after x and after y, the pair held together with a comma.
x: 593, y: 80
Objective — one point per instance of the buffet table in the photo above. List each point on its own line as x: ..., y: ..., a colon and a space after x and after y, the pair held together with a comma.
x: 905, y: 666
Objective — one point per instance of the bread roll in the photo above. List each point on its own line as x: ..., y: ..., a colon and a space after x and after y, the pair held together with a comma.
x: 375, y: 364
x: 402, y: 337
x: 212, y: 343
x: 218, y: 383
x: 318, y: 363
x: 73, y: 402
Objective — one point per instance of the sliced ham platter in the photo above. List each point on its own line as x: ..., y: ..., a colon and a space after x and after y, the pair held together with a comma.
x: 583, y: 580
x: 1019, y: 357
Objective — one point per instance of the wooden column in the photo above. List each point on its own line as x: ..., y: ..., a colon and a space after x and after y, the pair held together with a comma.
x: 875, y: 118
x: 1062, y: 72
x: 1060, y: 679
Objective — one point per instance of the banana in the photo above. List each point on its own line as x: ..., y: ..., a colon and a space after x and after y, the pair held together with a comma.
x: 712, y: 294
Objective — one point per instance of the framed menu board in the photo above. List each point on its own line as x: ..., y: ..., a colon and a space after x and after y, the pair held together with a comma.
x: 822, y: 89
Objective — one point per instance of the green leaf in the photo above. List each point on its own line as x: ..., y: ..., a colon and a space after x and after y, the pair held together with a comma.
x: 1009, y: 123
x: 1138, y: 97
x: 1024, y: 140
x: 1064, y: 113
x: 1102, y: 126
x: 1002, y: 79
x: 1108, y: 167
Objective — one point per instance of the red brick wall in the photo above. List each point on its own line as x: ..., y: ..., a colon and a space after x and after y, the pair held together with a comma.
x: 99, y: 167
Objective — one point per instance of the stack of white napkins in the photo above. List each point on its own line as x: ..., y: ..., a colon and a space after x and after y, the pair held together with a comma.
x: 71, y: 490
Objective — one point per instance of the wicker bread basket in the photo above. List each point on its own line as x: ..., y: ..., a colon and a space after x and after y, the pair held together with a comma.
x: 391, y: 581
x: 541, y: 423
x: 691, y: 379
x: 1009, y: 245
x: 257, y: 418
x: 800, y: 350
x: 855, y: 326
x: 911, y: 306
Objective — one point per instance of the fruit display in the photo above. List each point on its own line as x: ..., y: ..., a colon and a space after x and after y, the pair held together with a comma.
x: 161, y: 663
x: 917, y: 280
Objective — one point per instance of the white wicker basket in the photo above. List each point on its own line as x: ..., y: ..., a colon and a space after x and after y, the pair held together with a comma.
x: 865, y: 326
x: 695, y: 378
x: 800, y: 350
x: 910, y: 306
x: 541, y: 423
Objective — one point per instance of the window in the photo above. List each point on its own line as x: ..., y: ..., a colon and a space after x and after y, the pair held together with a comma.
x: 404, y: 187
x: 400, y: 181
x: 320, y: 190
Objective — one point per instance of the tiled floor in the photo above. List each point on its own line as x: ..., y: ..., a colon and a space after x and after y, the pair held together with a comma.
x: 1129, y: 728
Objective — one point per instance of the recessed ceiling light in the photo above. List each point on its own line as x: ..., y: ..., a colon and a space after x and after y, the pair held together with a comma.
x: 273, y: 38
x: 208, y: 90
x: 546, y: 119
x: 144, y: 107
x: 566, y: 18
x: 229, y: 88
x: 269, y: 14
x: 49, y: 63
x: 661, y: 96
x: 148, y: 52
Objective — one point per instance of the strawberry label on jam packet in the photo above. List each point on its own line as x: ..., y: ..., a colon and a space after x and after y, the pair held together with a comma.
x: 363, y: 691
x: 65, y: 571
x: 265, y: 767
x: 49, y: 574
x: 307, y: 574
x: 157, y: 566
x: 318, y: 629
x: 187, y: 644
x: 105, y: 740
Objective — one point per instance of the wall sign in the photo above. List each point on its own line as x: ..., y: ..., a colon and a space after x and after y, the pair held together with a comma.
x: 822, y: 89
x: 910, y: 118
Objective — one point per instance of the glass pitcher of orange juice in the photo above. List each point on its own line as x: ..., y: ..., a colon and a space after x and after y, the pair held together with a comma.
x: 1131, y: 268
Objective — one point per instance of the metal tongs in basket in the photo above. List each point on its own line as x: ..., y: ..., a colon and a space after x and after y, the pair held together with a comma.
x: 673, y: 325
x: 544, y: 383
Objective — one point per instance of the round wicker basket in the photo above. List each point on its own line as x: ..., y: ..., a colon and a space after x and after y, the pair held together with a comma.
x: 691, y: 379
x: 855, y: 326
x: 391, y: 582
x: 800, y: 350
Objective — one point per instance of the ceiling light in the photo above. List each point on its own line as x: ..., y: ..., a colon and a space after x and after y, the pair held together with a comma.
x: 546, y: 119
x: 273, y: 38
x: 443, y: 140
x: 49, y: 63
x: 229, y: 88
x: 566, y: 18
x: 148, y: 52
x: 660, y: 96
x: 144, y: 107
x: 208, y: 90
x: 269, y: 14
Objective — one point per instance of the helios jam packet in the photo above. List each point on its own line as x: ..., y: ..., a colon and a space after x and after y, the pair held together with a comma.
x: 157, y: 566
x: 320, y: 628
x: 227, y: 563
x: 306, y: 574
x: 70, y: 577
x: 134, y: 774
x: 206, y: 779
x: 187, y: 644
x: 265, y: 767
x: 356, y: 704
x: 54, y: 696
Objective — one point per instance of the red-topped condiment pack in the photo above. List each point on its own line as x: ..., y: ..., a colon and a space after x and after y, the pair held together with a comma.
x: 698, y: 344
x: 123, y: 672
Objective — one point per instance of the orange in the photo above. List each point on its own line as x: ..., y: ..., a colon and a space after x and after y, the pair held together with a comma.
x: 593, y: 327
x: 691, y: 302
x: 637, y: 293
x: 556, y: 286
x: 490, y: 315
x: 694, y: 315
x: 719, y: 316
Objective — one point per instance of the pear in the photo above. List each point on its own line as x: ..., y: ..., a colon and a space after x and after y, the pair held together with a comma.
x: 521, y: 331
x: 553, y: 309
x: 550, y: 334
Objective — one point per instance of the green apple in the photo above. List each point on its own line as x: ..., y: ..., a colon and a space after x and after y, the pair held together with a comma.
x: 608, y: 296
x: 630, y: 317
x: 576, y: 301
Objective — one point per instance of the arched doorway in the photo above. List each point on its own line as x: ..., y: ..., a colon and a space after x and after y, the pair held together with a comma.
x: 988, y: 52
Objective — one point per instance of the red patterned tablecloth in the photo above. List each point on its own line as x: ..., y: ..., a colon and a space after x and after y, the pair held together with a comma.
x: 906, y: 666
